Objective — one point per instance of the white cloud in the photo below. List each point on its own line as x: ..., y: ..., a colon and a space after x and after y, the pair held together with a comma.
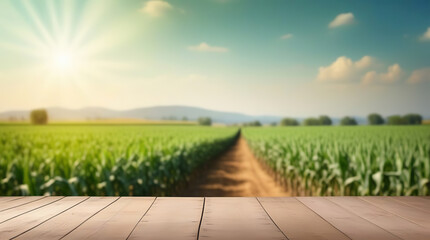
x: 364, y: 62
x: 426, y: 35
x: 286, y: 36
x: 393, y: 74
x: 420, y: 75
x: 342, y: 19
x: 369, y: 77
x: 204, y: 47
x: 344, y: 69
x: 156, y: 8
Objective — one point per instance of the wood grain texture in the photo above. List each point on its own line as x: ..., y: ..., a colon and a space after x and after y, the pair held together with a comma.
x: 403, y: 210
x: 295, y: 219
x: 65, y: 222
x: 420, y: 203
x: 237, y: 218
x: 14, y: 202
x: 16, y: 211
x: 116, y: 221
x: 349, y: 223
x: 170, y: 218
x: 397, y: 225
x: 215, y: 218
x: 29, y: 220
x: 6, y: 199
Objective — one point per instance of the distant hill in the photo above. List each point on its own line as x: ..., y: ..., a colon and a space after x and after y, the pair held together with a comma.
x: 156, y: 113
x: 149, y: 113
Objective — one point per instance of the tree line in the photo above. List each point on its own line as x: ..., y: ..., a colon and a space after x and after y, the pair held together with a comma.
x: 40, y: 116
x: 372, y: 119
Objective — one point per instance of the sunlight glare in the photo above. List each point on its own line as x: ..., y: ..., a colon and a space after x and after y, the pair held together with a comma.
x: 63, y: 60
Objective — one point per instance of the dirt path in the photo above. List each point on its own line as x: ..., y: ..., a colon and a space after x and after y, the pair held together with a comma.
x: 236, y: 173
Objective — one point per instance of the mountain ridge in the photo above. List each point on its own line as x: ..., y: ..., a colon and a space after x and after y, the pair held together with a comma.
x: 161, y: 112
x: 168, y: 112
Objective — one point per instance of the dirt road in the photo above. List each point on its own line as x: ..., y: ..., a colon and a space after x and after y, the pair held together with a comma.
x: 236, y: 173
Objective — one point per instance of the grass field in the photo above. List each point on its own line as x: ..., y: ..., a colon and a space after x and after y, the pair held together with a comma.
x: 104, y: 160
x: 156, y: 160
x: 364, y: 160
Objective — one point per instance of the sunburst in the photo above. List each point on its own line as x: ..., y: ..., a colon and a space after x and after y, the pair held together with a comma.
x: 63, y: 43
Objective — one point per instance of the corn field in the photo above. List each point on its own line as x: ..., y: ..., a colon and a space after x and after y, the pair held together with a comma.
x: 104, y: 160
x: 363, y: 160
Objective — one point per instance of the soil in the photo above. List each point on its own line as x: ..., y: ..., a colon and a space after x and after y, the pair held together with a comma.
x: 236, y: 173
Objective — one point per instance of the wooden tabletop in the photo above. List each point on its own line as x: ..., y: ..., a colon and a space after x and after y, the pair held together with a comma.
x: 215, y: 218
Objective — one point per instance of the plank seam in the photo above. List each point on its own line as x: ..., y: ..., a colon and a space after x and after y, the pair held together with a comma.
x: 410, y: 205
x: 50, y: 217
x: 365, y: 219
x: 90, y: 217
x: 11, y: 200
x: 22, y: 203
x: 141, y: 218
x: 271, y: 218
x: 324, y: 218
x: 395, y: 214
x: 201, y: 218
x: 31, y: 210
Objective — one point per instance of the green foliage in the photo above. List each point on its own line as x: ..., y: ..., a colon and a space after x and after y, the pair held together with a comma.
x: 348, y: 121
x: 204, y: 121
x: 311, y: 122
x: 396, y: 120
x: 253, y: 124
x: 39, y: 116
x: 325, y: 120
x: 322, y: 120
x: 408, y: 119
x: 413, y: 119
x: 347, y: 161
x: 104, y: 160
x: 289, y: 122
x: 375, y: 119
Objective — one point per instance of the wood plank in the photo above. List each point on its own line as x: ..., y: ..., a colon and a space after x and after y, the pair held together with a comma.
x: 413, y: 214
x: 6, y: 199
x: 237, y: 218
x: 116, y: 221
x: 170, y: 218
x: 14, y: 212
x: 297, y: 221
x: 390, y: 222
x: 352, y: 225
x: 59, y: 226
x: 420, y: 203
x: 25, y: 222
x: 17, y: 202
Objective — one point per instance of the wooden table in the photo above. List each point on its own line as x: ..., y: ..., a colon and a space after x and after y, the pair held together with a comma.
x: 215, y: 218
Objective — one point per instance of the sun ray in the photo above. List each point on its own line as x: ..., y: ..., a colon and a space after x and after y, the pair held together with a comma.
x: 64, y: 47
x: 53, y: 17
x: 22, y: 49
x: 38, y: 23
x: 91, y: 14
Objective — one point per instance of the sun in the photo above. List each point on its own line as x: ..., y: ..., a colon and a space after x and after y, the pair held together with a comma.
x: 63, y: 60
x: 67, y: 42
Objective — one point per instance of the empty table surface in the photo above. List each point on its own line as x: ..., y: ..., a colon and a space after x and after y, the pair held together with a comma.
x: 214, y: 218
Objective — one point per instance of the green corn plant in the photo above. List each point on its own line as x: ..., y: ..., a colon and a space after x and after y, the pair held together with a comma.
x: 384, y: 160
x: 104, y: 160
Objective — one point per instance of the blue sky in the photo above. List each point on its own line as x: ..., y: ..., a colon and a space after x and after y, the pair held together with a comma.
x: 292, y: 58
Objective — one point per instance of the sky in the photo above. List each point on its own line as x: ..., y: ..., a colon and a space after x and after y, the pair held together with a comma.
x: 279, y: 57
